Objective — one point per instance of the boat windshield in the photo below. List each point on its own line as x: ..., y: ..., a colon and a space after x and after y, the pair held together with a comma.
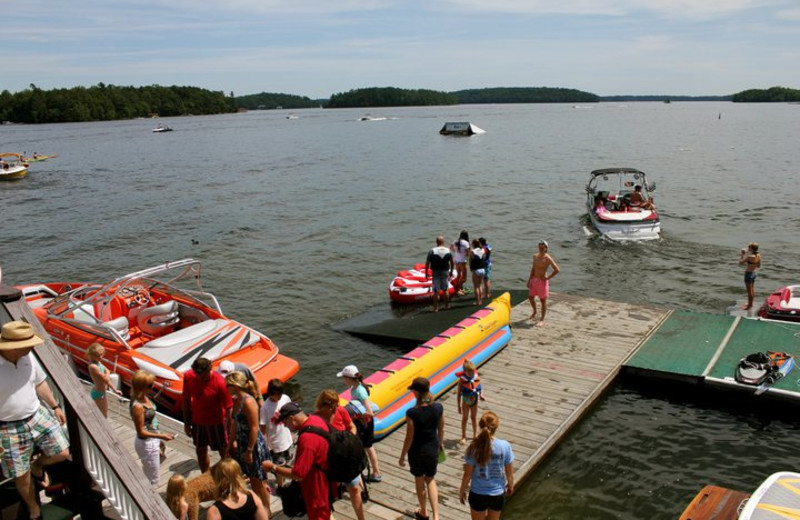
x: 618, y: 184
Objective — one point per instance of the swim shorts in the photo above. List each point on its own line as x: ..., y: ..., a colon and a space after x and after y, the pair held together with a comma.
x: 440, y: 281
x: 539, y: 287
x: 750, y: 277
x: 19, y: 438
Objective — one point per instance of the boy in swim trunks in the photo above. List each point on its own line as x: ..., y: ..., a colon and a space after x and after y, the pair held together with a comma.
x: 539, y: 280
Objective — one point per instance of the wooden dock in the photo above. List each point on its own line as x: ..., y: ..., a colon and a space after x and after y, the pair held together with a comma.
x: 540, y: 386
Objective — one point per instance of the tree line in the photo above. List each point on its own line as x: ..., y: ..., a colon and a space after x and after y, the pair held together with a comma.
x: 770, y: 95
x: 267, y: 101
x: 525, y: 95
x: 390, y: 97
x: 109, y: 102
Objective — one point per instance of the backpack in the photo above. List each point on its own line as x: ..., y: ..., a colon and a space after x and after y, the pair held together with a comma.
x: 346, y: 457
x: 758, y: 368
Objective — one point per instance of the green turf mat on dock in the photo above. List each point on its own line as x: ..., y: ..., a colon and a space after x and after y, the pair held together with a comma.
x: 761, y: 336
x: 684, y: 344
x: 415, y: 324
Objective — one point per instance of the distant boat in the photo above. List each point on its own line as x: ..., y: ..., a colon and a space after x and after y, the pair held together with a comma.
x: 461, y: 129
x: 38, y: 158
x: 292, y: 116
x: 12, y: 167
x: 370, y: 118
x: 162, y: 128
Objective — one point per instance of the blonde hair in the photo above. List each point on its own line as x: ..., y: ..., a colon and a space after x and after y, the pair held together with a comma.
x: 468, y: 366
x: 228, y: 478
x: 140, y: 384
x: 753, y: 247
x: 240, y: 381
x: 95, y: 351
x: 481, y: 448
x: 327, y: 400
x: 176, y: 487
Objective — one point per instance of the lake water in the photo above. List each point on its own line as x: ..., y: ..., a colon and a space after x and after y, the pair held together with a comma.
x: 301, y: 223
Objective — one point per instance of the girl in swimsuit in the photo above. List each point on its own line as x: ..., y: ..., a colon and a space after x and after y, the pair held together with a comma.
x: 752, y: 258
x: 468, y: 393
x: 460, y: 250
x: 100, y: 377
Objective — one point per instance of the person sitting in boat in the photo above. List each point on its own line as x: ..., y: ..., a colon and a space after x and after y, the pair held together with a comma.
x: 638, y: 200
x: 600, y: 204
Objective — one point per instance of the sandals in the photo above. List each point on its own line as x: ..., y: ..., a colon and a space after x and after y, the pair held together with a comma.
x: 420, y: 516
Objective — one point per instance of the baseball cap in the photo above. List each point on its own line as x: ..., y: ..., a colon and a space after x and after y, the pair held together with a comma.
x: 348, y: 371
x: 420, y: 384
x: 226, y: 367
x: 288, y: 410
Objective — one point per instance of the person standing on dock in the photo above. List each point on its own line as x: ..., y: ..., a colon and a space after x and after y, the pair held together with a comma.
x: 365, y: 424
x: 477, y: 265
x: 488, y: 471
x: 100, y: 377
x: 440, y: 262
x: 279, y: 438
x: 460, y: 250
x: 752, y: 259
x: 25, y: 423
x: 487, y: 282
x: 423, y: 443
x: 539, y: 279
x: 206, y: 404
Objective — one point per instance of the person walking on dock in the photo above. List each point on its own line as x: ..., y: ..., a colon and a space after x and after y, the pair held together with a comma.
x: 423, y: 442
x: 488, y: 472
x: 279, y: 438
x: 365, y: 424
x: 246, y: 443
x: 25, y: 423
x: 145, y: 421
x: 440, y: 262
x: 311, y: 461
x: 752, y: 259
x: 539, y: 279
x: 206, y: 404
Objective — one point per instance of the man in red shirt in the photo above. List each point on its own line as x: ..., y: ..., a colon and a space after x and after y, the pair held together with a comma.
x: 206, y: 404
x: 310, y: 463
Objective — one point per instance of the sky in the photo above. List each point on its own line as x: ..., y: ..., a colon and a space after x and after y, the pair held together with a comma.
x: 316, y: 48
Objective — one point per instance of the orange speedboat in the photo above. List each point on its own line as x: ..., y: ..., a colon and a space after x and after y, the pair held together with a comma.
x: 151, y: 320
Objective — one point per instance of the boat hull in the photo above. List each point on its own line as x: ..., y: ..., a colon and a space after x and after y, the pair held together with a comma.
x: 626, y: 230
x: 13, y: 173
x: 783, y: 305
x: 478, y: 337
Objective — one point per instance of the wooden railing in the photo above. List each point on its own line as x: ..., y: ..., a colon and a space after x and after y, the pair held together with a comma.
x: 103, y: 460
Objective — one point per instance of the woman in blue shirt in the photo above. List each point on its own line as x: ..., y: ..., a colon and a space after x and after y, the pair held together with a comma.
x: 487, y: 471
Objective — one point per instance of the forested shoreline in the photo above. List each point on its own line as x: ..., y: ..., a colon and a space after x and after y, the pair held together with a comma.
x: 109, y: 102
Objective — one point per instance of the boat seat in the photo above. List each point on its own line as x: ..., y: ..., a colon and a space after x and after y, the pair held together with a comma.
x: 157, y: 319
x: 120, y: 325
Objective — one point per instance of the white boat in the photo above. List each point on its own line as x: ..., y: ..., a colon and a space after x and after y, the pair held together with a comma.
x: 162, y: 128
x: 461, y: 129
x: 12, y: 167
x: 614, y: 209
x: 776, y: 497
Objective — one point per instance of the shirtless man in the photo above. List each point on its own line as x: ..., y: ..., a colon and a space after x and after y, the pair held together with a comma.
x: 539, y: 280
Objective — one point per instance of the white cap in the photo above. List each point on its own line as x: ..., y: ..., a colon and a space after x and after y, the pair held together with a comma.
x: 348, y: 371
x: 226, y: 367
x: 544, y: 242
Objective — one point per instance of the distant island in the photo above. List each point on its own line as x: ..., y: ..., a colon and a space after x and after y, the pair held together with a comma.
x: 109, y: 102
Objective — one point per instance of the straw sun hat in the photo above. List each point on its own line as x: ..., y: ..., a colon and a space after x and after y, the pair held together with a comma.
x: 18, y: 334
